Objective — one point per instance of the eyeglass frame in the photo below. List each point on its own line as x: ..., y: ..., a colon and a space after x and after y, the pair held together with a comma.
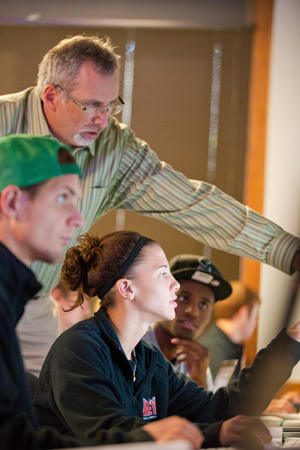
x: 95, y: 110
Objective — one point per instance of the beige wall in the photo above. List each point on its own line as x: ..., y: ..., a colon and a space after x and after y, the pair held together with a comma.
x: 282, y: 177
x: 130, y: 13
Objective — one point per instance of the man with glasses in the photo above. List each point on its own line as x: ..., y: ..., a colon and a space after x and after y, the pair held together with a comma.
x: 75, y: 100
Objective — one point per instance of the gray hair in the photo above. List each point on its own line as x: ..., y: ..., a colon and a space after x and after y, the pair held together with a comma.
x: 62, y: 63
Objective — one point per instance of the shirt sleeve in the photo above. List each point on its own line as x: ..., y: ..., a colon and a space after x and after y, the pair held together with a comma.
x: 153, y: 188
x: 16, y: 431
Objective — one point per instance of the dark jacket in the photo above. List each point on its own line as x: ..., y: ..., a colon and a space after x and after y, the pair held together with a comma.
x: 18, y: 425
x: 86, y: 384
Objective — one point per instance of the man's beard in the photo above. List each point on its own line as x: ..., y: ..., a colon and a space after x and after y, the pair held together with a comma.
x: 81, y: 140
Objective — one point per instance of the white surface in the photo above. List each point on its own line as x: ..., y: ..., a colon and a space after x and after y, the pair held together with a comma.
x: 282, y: 180
x: 284, y: 416
x: 171, y: 445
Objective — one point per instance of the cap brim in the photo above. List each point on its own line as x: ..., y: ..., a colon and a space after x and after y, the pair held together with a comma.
x: 221, y: 292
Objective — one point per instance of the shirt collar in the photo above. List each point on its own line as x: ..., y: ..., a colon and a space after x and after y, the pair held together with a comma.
x: 91, y: 148
x: 18, y: 281
x: 37, y: 123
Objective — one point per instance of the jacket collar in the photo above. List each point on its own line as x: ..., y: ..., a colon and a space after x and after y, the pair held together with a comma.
x: 146, y: 355
x: 107, y: 329
x: 18, y: 280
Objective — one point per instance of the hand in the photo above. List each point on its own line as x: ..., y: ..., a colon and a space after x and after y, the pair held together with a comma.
x: 296, y: 262
x: 292, y: 396
x: 247, y: 432
x: 196, y: 356
x: 281, y: 405
x: 294, y: 331
x: 173, y: 428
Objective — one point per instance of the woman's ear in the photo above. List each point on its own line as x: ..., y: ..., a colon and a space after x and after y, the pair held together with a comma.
x: 124, y: 287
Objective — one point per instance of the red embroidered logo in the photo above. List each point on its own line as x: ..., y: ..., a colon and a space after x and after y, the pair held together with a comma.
x: 149, y: 409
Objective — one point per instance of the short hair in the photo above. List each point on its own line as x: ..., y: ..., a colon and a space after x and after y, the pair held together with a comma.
x: 93, y: 263
x: 62, y: 63
x: 64, y: 157
x: 241, y: 296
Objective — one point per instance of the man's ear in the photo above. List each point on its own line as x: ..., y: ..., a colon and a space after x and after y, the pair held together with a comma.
x: 124, y: 287
x: 11, y: 201
x: 243, y: 312
x: 50, y: 95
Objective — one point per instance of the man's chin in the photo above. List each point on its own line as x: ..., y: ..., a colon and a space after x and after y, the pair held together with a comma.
x: 185, y: 334
x: 86, y: 137
x: 81, y: 141
x: 51, y: 258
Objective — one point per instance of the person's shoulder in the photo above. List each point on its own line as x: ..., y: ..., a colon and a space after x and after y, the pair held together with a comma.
x: 116, y: 128
x: 211, y: 332
x: 154, y: 353
x: 81, y: 334
x: 148, y: 344
x: 83, y: 328
x: 15, y: 98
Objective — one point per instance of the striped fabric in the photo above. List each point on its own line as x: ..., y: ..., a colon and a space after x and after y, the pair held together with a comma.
x: 121, y: 171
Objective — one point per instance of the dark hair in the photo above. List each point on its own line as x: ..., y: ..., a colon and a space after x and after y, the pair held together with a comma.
x: 64, y: 157
x: 92, y: 264
x: 241, y: 296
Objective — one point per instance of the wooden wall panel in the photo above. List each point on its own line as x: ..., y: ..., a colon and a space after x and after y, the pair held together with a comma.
x: 256, y: 142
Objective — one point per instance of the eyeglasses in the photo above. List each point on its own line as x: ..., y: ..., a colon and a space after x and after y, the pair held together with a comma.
x: 94, y: 110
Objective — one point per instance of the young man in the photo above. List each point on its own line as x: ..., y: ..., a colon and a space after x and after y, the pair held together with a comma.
x: 74, y: 101
x: 201, y: 285
x: 39, y: 190
x: 234, y: 322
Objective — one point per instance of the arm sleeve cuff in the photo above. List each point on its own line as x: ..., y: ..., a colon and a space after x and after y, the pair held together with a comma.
x: 282, y: 251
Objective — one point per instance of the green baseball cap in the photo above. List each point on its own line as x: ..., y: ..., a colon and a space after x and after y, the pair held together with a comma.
x: 26, y: 160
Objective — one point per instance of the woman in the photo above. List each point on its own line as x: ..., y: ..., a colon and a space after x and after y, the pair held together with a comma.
x: 100, y: 374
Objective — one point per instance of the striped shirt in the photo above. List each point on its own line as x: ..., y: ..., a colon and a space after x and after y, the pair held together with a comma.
x: 121, y: 171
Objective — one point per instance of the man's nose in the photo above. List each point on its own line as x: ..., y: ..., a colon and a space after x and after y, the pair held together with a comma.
x: 76, y: 219
x: 192, y: 309
x: 101, y: 119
